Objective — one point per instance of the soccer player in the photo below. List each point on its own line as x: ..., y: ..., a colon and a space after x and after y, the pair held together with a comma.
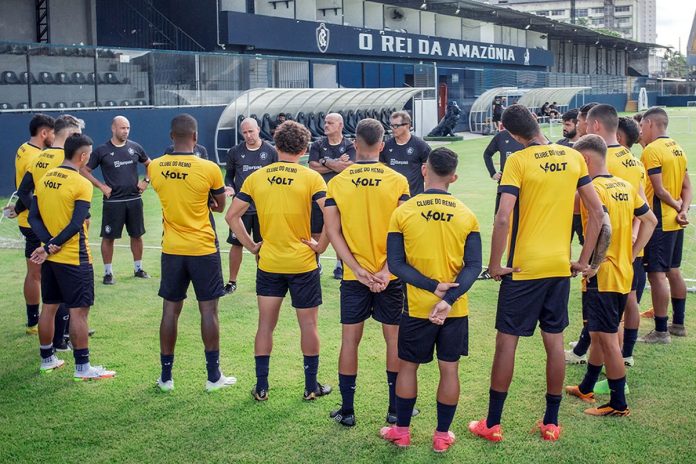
x: 504, y: 144
x: 434, y: 246
x: 359, y: 203
x: 329, y: 156
x: 570, y: 128
x: 198, y: 150
x: 603, y: 120
x: 628, y: 133
x: 538, y: 195
x: 405, y: 152
x: 606, y: 287
x: 581, y: 127
x: 51, y: 157
x: 118, y: 159
x: 58, y: 217
x: 669, y: 194
x: 283, y: 193
x: 189, y: 188
x: 242, y: 160
x: 41, y: 137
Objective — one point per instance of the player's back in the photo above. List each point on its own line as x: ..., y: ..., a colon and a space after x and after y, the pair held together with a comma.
x: 621, y: 163
x: 620, y: 200
x: 366, y: 194
x: 435, y: 226
x: 545, y: 179
x: 184, y: 183
x: 24, y: 160
x: 283, y: 193
x: 47, y: 159
x: 56, y: 194
x: 666, y: 157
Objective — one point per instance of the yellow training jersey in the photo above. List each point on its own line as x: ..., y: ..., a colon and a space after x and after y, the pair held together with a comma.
x: 664, y: 156
x: 544, y: 178
x: 622, y: 203
x: 56, y: 194
x: 621, y: 163
x: 184, y: 183
x: 48, y: 159
x: 435, y: 226
x: 26, y: 156
x: 283, y: 193
x: 366, y: 194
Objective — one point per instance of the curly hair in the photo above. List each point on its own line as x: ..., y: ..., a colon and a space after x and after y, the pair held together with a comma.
x: 292, y: 138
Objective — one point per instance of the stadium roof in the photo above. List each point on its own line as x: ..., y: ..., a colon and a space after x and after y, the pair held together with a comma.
x: 691, y: 45
x: 505, y: 16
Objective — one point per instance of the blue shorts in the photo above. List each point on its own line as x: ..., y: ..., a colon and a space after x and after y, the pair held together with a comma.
x: 72, y: 284
x: 358, y: 303
x: 178, y: 271
x: 252, y: 226
x: 664, y: 251
x: 603, y: 309
x: 305, y: 288
x: 419, y: 337
x: 523, y: 303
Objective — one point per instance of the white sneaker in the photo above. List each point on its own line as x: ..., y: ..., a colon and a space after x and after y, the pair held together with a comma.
x: 50, y: 364
x: 573, y: 344
x: 167, y: 386
x: 93, y: 373
x: 223, y: 382
x: 572, y: 358
x: 629, y: 362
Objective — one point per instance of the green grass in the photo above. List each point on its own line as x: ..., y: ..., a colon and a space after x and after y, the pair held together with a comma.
x: 49, y: 418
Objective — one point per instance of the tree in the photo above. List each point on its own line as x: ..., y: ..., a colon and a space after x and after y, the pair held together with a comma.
x: 675, y: 64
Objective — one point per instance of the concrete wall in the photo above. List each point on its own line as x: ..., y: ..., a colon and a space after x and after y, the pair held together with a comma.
x: 17, y: 21
x: 149, y: 127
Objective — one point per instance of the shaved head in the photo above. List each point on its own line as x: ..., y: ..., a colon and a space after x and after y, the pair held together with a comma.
x: 120, y: 129
x: 335, y: 116
x: 250, y: 123
x: 120, y: 120
x: 333, y: 126
x: 250, y: 131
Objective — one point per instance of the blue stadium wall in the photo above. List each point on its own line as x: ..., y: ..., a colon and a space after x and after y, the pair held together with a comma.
x: 149, y: 127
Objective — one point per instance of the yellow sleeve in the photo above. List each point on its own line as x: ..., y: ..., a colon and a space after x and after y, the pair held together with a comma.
x: 216, y: 182
x: 247, y: 189
x: 331, y: 189
x: 318, y: 186
x: 583, y: 165
x: 405, y: 191
x: 84, y: 192
x: 651, y: 158
x: 512, y: 174
x: 395, y: 221
x: 637, y: 199
x: 475, y: 227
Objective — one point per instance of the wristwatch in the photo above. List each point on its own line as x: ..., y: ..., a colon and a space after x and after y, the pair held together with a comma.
x: 323, y: 161
x: 146, y: 180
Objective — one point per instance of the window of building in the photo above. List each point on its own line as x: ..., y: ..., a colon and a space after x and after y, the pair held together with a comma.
x: 542, y: 13
x: 557, y: 12
x: 598, y: 10
x: 582, y: 13
x: 622, y: 9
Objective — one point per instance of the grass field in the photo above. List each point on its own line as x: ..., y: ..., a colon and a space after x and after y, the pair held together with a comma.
x: 52, y: 419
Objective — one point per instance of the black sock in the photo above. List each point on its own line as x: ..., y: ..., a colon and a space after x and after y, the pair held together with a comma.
x: 339, y: 264
x: 445, y: 415
x: 630, y: 337
x: 618, y: 395
x: 553, y: 402
x: 591, y: 376
x: 212, y: 364
x: 496, y: 402
x: 583, y: 342
x: 391, y: 382
x: 661, y: 324
x: 346, y: 383
x: 678, y: 310
x: 233, y: 282
x: 262, y: 363
x: 46, y: 351
x: 311, y: 367
x: 81, y: 356
x: 61, y: 324
x: 32, y: 315
x: 404, y: 410
x: 167, y: 361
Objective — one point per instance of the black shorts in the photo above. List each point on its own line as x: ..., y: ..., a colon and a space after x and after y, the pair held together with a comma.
x: 638, y: 274
x: 317, y: 219
x: 205, y: 272
x: 523, y: 303
x: 358, y: 303
x: 604, y: 309
x: 664, y: 251
x: 116, y: 214
x: 419, y: 337
x: 251, y: 224
x: 31, y: 241
x: 72, y: 284
x: 305, y: 288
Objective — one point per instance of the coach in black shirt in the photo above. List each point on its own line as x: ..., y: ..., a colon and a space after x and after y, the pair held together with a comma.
x: 118, y: 159
x: 405, y: 153
x: 242, y: 160
x: 328, y: 156
x: 504, y: 144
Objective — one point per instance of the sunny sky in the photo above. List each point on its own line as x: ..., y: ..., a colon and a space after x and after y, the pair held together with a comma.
x: 674, y: 19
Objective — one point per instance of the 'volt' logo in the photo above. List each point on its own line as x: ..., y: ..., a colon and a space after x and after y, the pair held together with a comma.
x: 553, y: 167
x: 365, y: 182
x: 175, y: 175
x: 437, y: 216
x: 619, y: 196
x: 279, y: 180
